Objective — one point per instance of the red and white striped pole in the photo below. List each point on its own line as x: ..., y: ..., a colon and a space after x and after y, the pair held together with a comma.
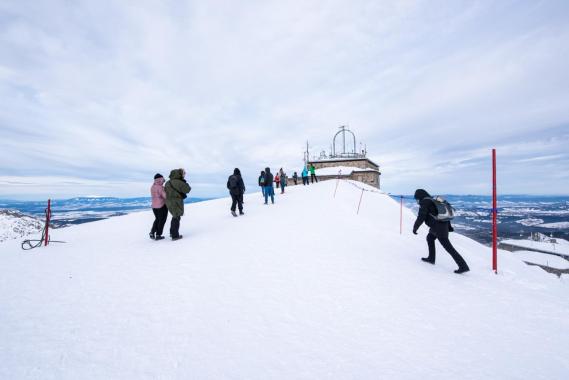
x: 47, y: 218
x: 494, y: 216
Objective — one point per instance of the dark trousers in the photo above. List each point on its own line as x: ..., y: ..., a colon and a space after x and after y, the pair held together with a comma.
x: 237, y: 200
x: 175, y: 226
x: 294, y: 179
x: 440, y: 231
x: 305, y: 181
x: 313, y: 178
x: 160, y: 216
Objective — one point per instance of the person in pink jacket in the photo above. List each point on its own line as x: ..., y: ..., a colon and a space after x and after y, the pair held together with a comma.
x: 158, y: 207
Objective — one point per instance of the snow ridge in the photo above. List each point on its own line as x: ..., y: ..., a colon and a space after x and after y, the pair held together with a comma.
x: 303, y: 289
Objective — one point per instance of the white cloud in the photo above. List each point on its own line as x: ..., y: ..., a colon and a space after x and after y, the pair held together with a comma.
x: 105, y: 90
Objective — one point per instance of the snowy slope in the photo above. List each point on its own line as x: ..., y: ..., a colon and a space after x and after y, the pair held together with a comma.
x: 15, y: 225
x: 303, y: 289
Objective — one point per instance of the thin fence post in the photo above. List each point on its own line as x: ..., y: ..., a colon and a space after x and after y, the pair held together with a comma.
x: 361, y: 196
x: 494, y: 216
x: 47, y: 218
x: 337, y: 183
x: 401, y: 216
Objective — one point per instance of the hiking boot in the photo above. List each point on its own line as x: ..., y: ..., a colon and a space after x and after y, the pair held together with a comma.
x: 462, y: 270
x: 151, y: 235
x: 159, y: 237
x: 233, y: 213
x: 177, y: 237
x: 241, y: 212
x: 427, y: 260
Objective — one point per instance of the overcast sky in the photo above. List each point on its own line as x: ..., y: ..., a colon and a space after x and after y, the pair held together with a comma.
x: 98, y: 96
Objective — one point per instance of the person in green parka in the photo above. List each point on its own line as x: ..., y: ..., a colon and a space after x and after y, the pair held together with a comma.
x: 176, y: 189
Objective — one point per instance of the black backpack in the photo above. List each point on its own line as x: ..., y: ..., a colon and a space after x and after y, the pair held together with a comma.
x: 445, y: 212
x: 233, y: 182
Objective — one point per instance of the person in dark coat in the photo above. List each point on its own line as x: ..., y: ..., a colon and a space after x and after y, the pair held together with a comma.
x: 437, y: 230
x: 262, y: 183
x: 269, y: 190
x: 295, y: 178
x: 176, y: 191
x: 236, y: 190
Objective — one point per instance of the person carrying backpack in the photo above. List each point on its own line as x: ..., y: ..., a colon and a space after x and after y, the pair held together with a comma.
x: 158, y: 207
x: 436, y: 214
x: 269, y: 190
x: 176, y: 191
x: 262, y: 182
x: 236, y: 189
x: 304, y: 175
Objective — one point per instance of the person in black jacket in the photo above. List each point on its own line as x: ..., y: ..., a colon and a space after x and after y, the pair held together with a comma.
x: 236, y: 189
x: 269, y: 191
x: 262, y: 183
x: 438, y: 230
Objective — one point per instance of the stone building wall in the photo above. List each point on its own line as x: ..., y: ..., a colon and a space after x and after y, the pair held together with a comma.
x: 360, y: 163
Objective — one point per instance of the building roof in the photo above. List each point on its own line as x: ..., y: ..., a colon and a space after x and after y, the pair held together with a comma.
x: 343, y: 160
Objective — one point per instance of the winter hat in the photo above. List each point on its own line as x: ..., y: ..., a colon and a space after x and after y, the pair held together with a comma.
x: 236, y: 171
x: 420, y: 194
x: 158, y: 175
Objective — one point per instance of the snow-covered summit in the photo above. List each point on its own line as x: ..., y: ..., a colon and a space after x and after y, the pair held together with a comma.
x: 303, y: 289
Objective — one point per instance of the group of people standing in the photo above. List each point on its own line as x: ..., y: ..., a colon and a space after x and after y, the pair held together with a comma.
x: 304, y: 173
x: 168, y: 197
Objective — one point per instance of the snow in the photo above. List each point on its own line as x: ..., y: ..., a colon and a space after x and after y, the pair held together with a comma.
x: 279, y: 293
x: 345, y: 170
x: 544, y: 259
x: 14, y: 225
x: 529, y: 222
x: 561, y: 246
x: 556, y: 225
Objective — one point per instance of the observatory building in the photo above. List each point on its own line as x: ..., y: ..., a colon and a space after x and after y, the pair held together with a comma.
x: 345, y: 161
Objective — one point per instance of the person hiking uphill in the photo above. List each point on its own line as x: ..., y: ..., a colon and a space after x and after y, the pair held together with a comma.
x: 158, y: 207
x: 262, y: 182
x: 236, y: 189
x: 304, y: 175
x: 269, y: 190
x: 176, y: 191
x: 438, y: 230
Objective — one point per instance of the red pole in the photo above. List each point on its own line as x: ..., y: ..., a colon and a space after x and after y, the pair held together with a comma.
x: 47, y: 218
x: 494, y: 215
x: 401, y: 217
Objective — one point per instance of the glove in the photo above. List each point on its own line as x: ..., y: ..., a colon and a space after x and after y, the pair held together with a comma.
x: 415, y: 232
x: 450, y: 229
